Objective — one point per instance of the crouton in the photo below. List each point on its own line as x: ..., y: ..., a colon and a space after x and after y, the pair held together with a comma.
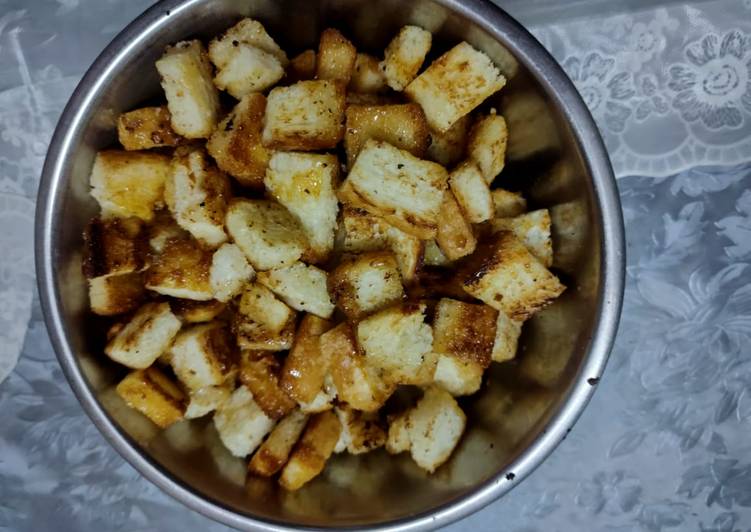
x: 192, y: 98
x: 324, y: 399
x: 146, y: 128
x: 396, y: 185
x: 507, y: 332
x: 301, y: 286
x: 152, y: 393
x: 197, y: 193
x: 397, y: 341
x: 447, y: 148
x: 336, y: 57
x: 261, y: 376
x: 146, y: 336
x: 471, y: 192
x: 203, y: 355
x: 266, y: 232
x: 305, y: 183
x: 241, y: 423
x: 236, y: 142
x: 182, y: 270
x: 533, y: 230
x: 358, y: 383
x: 367, y: 77
x: 305, y: 367
x: 508, y: 204
x: 306, y: 116
x: 302, y: 67
x: 454, y: 237
x: 262, y: 321
x: 433, y: 255
x: 312, y: 451
x: 487, y: 145
x: 458, y: 377
x: 435, y: 426
x: 190, y: 311
x: 205, y: 400
x: 366, y: 283
x: 163, y: 229
x: 253, y: 336
x: 274, y: 452
x: 401, y: 125
x: 397, y: 438
x: 404, y: 56
x: 110, y: 295
x: 249, y: 32
x: 464, y: 331
x: 129, y: 183
x: 454, y: 84
x: 511, y: 280
x: 361, y: 432
x: 408, y: 250
x: 229, y: 272
x: 113, y: 247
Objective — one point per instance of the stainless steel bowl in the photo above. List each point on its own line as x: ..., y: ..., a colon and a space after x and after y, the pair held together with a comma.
x: 556, y: 156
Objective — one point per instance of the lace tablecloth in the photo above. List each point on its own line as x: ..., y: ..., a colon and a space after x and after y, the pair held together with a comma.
x: 665, y: 443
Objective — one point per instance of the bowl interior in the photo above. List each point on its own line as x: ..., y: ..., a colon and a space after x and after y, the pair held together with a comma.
x: 545, y: 161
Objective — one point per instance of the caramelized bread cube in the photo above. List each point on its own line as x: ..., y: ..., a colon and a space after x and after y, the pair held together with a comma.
x: 152, y: 393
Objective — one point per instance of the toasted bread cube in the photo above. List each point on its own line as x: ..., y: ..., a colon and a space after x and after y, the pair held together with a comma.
x: 205, y: 400
x: 305, y: 183
x: 203, y: 356
x: 448, y: 148
x: 241, y: 423
x: 457, y: 376
x: 324, y: 399
x: 465, y: 331
x: 434, y: 256
x: 511, y: 280
x: 301, y: 286
x: 508, y: 204
x: 236, y: 142
x: 533, y: 229
x: 266, y: 232
x: 113, y: 247
x: 248, y: 70
x: 302, y: 67
x: 436, y: 424
x: 249, y: 32
x: 401, y: 125
x: 471, y: 192
x: 182, y: 270
x: 152, y: 393
x: 146, y: 128
x: 358, y: 383
x: 146, y: 336
x: 197, y: 193
x: 397, y: 341
x: 361, y: 432
x: 312, y: 451
x: 192, y: 98
x: 336, y: 57
x: 397, y: 439
x: 163, y: 229
x: 455, y: 237
x: 408, y: 249
x: 396, y: 185
x: 405, y: 55
x: 366, y: 283
x: 507, y: 333
x: 129, y: 183
x: 229, y: 272
x: 274, y: 452
x: 258, y: 304
x: 110, y: 295
x: 487, y: 145
x: 367, y: 78
x: 261, y: 375
x: 454, y: 84
x: 306, y: 367
x: 253, y: 336
x: 197, y: 311
x: 306, y: 116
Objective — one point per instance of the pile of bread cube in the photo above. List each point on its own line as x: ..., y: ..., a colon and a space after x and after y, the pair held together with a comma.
x: 291, y: 261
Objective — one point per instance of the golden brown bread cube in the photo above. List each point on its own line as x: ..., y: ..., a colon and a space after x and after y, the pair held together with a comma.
x: 113, y: 247
x: 229, y: 272
x: 455, y: 236
x: 394, y: 184
x: 510, y: 279
x: 336, y: 57
x: 301, y: 286
x: 190, y: 311
x: 261, y: 321
x: 129, y: 183
x: 203, y: 355
x: 241, y: 423
x: 367, y: 77
x: 405, y: 55
x: 465, y: 331
x: 162, y: 229
x: 236, y: 143
x: 205, y: 400
x: 146, y: 128
x: 454, y: 84
x: 302, y: 67
x: 433, y: 255
x: 261, y: 375
x: 508, y: 204
x: 110, y: 295
x: 253, y: 336
x: 305, y: 367
x: 152, y: 393
x: 192, y: 99
x: 249, y: 32
x: 534, y: 230
x: 458, y: 377
x: 507, y: 334
x: 363, y: 284
x: 306, y: 116
x: 182, y: 270
x: 274, y: 452
x: 361, y: 431
x: 471, y: 192
x: 312, y: 451
x: 401, y: 125
x: 487, y: 145
x: 448, y: 147
x: 146, y: 336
